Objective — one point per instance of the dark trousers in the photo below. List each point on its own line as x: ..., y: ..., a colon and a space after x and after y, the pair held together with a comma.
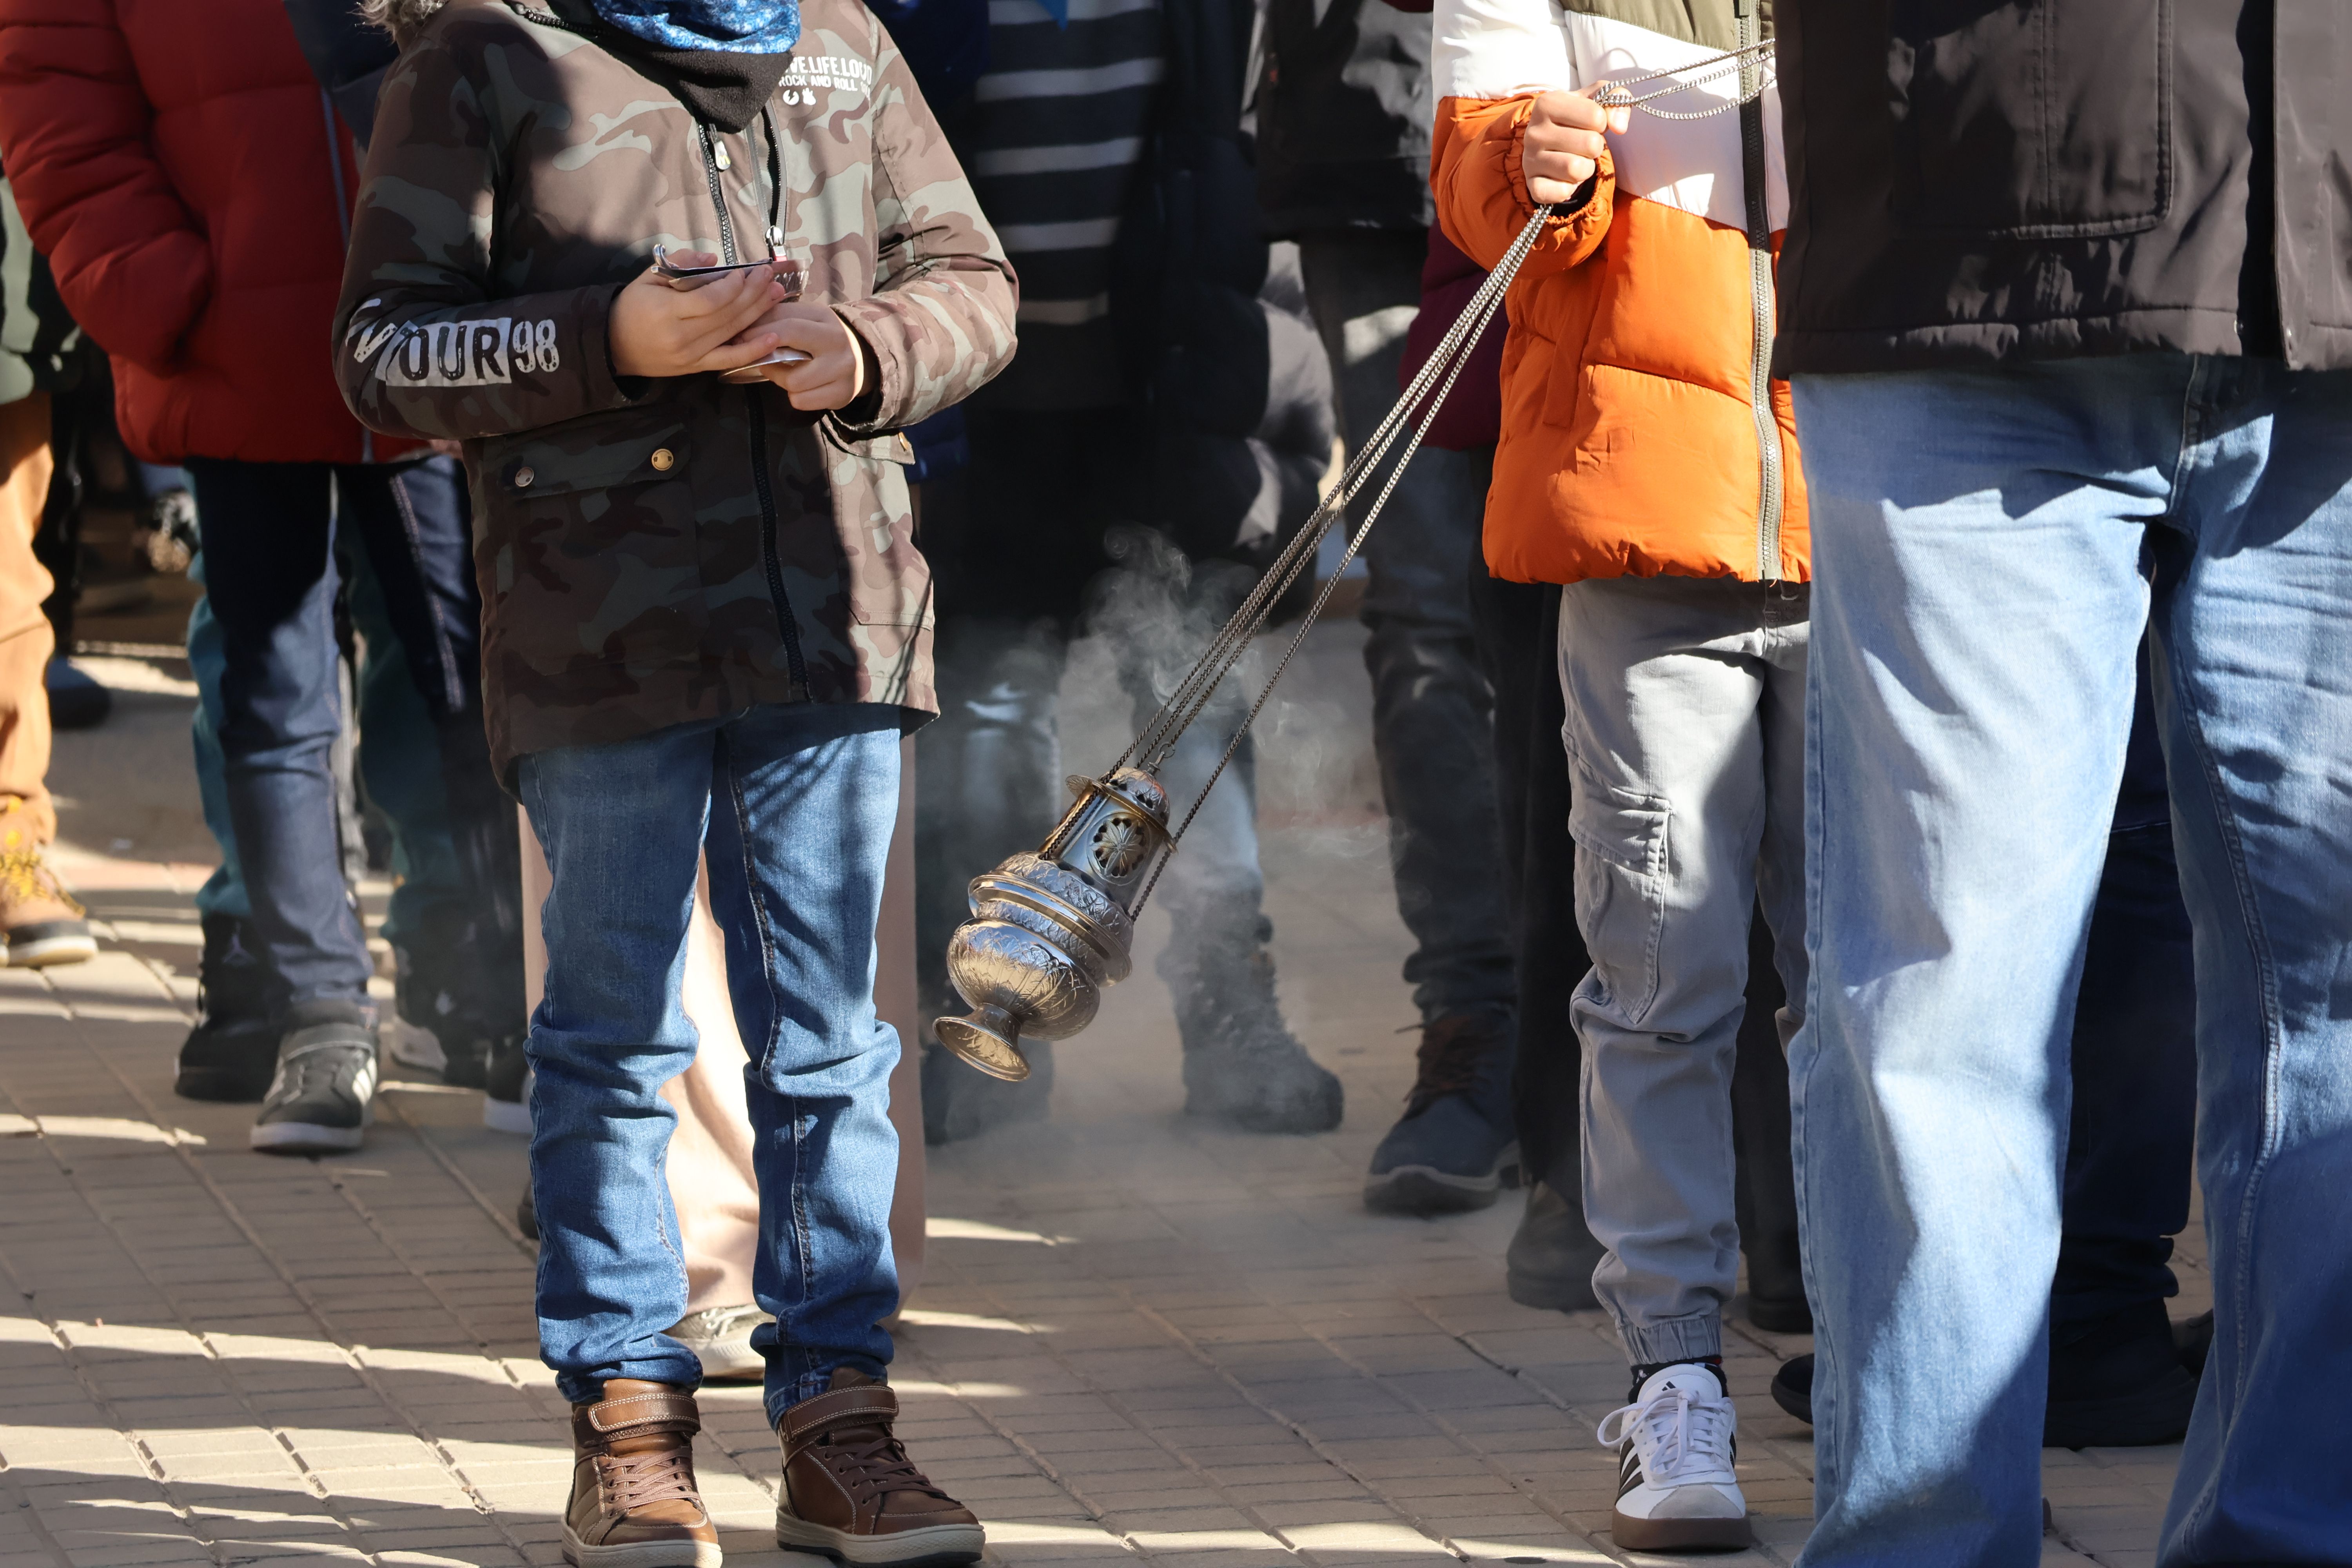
x: 1517, y: 627
x: 270, y: 577
x: 1431, y: 706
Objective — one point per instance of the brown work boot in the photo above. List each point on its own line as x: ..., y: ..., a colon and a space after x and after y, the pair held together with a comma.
x: 851, y: 1492
x: 633, y: 1501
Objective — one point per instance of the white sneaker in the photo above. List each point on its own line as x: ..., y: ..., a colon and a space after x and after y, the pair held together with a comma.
x: 720, y: 1338
x: 1676, y: 1489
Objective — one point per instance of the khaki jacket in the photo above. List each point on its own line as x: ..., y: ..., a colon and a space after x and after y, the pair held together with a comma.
x: 656, y: 551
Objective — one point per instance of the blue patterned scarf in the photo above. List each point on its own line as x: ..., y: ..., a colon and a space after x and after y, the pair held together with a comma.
x: 732, y: 27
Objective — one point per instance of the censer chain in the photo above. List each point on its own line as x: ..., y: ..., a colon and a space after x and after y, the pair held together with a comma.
x: 1738, y: 62
x: 1192, y: 694
x: 1425, y: 396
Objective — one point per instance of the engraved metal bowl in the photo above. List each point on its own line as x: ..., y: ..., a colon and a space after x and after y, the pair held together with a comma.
x: 1050, y: 929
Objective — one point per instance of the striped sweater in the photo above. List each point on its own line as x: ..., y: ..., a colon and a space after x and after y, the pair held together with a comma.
x: 1052, y: 141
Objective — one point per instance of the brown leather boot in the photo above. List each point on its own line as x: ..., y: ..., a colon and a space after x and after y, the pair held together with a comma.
x: 851, y: 1492
x: 633, y: 1501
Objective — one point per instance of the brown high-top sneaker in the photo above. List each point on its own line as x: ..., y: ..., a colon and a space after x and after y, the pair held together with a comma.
x: 633, y: 1501
x: 851, y: 1492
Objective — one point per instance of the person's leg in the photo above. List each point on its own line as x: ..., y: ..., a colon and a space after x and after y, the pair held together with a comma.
x: 622, y: 828
x: 1976, y: 603
x: 39, y: 922
x: 2116, y: 1376
x: 399, y: 761
x: 1680, y: 696
x: 2251, y: 684
x: 27, y: 819
x: 804, y: 802
x: 1012, y: 540
x: 269, y: 579
x: 414, y: 521
x: 1664, y: 679
x: 988, y: 785
x: 1434, y: 737
x: 1773, y: 1007
x: 232, y: 1049
x: 1552, y: 1254
x: 1242, y: 1063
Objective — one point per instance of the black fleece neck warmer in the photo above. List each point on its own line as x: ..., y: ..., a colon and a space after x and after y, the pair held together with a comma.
x: 720, y: 89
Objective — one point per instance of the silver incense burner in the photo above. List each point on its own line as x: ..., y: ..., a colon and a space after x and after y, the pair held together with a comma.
x: 1050, y: 929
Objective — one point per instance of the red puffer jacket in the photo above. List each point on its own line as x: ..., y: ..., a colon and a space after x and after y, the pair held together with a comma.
x: 178, y: 165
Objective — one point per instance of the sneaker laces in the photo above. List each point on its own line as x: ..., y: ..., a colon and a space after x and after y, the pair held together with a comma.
x: 26, y: 876
x: 635, y: 1481
x: 1448, y: 1060
x: 1674, y: 1434
x: 876, y: 1465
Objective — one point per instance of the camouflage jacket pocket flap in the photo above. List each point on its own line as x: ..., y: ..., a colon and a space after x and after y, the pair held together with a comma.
x: 589, y: 459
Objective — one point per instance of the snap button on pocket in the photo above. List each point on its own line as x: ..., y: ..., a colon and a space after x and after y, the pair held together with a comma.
x: 664, y: 459
x: 523, y: 477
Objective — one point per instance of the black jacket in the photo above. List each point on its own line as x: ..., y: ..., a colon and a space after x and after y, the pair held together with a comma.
x: 1343, y: 117
x: 2052, y: 178
x: 1216, y: 326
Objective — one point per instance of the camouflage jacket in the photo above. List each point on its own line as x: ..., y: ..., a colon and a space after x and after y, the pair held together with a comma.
x: 656, y: 551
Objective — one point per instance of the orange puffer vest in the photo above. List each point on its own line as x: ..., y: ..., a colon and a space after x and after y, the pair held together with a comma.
x: 1640, y: 435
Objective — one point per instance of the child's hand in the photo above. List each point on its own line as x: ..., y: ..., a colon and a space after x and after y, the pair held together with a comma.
x: 1563, y: 143
x: 834, y: 373
x: 655, y: 329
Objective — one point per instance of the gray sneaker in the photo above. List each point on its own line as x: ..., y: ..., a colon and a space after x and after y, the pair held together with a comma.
x: 323, y: 1097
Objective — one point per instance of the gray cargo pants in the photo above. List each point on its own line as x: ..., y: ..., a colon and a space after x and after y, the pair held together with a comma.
x: 1685, y: 741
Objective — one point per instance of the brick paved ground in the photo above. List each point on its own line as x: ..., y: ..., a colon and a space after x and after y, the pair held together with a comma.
x: 1141, y: 1340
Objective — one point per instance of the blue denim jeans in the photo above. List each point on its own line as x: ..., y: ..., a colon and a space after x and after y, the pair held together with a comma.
x: 1990, y: 545
x: 263, y: 649
x: 794, y: 805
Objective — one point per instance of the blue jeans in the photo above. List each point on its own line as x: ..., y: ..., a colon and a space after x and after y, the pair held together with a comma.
x: 400, y: 761
x: 1980, y: 540
x: 263, y: 649
x: 805, y: 796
